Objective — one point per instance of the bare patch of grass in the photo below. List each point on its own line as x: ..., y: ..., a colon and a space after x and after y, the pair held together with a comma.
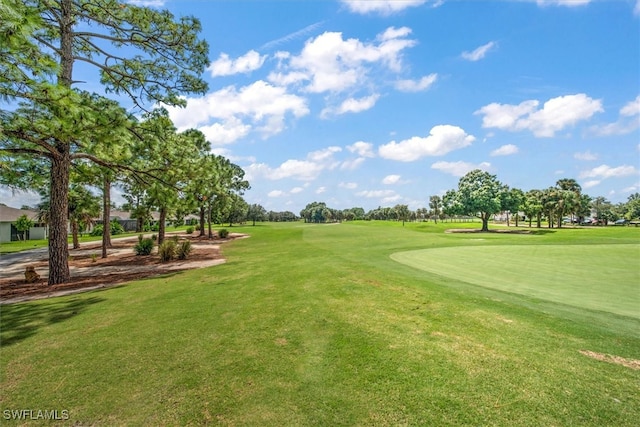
x: 609, y: 358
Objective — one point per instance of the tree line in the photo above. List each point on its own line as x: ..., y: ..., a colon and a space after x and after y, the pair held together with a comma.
x: 60, y: 139
x: 481, y: 195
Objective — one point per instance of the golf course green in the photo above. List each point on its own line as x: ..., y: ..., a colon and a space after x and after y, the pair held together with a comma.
x: 597, y: 277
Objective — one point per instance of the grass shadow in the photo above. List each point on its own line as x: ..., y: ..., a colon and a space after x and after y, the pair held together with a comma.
x: 21, y: 321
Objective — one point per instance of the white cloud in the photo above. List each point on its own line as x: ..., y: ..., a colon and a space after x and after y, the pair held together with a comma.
x: 441, y: 140
x: 478, y: 53
x: 321, y: 190
x: 569, y: 3
x: 352, y: 164
x: 226, y: 132
x: 351, y: 105
x: 324, y: 154
x: 590, y: 184
x: 364, y: 149
x: 376, y: 194
x: 555, y: 115
x: 606, y: 171
x: 276, y: 193
x: 224, y: 66
x: 636, y: 8
x: 505, y: 150
x: 586, y: 156
x: 261, y: 104
x: 296, y: 190
x: 459, y: 168
x: 328, y: 63
x: 416, y: 85
x: 382, y: 7
x: 304, y: 170
x: 348, y: 185
x: 632, y: 108
x: 628, y: 121
x: 292, y: 36
x: 391, y: 179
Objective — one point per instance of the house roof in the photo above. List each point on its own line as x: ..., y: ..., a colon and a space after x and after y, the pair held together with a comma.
x: 9, y: 214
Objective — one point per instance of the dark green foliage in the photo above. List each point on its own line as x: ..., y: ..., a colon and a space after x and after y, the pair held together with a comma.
x: 223, y: 233
x: 167, y: 250
x: 184, y: 249
x: 144, y: 247
x: 116, y: 228
x: 189, y: 230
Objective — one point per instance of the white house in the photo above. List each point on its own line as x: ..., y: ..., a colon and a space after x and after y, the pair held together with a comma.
x: 8, y: 230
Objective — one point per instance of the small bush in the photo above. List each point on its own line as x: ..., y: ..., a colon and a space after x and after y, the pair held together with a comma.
x: 197, y: 227
x: 140, y: 237
x: 97, y: 230
x: 116, y: 228
x: 154, y: 237
x: 144, y: 247
x: 184, y: 249
x: 223, y: 233
x: 167, y: 250
x: 189, y: 230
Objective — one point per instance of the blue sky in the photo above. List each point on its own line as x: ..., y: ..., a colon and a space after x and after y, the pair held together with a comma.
x: 375, y: 103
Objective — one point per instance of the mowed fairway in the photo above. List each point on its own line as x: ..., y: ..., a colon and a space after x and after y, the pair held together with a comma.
x: 316, y: 325
x: 597, y: 277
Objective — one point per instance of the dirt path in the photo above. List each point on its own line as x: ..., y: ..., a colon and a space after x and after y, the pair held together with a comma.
x: 89, y: 271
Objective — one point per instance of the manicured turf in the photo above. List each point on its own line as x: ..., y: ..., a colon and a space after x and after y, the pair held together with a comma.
x: 597, y: 277
x: 317, y: 325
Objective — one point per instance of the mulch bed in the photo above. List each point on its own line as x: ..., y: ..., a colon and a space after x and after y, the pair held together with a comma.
x: 127, y: 266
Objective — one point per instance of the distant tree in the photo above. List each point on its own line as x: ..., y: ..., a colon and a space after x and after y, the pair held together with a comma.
x: 633, y: 207
x: 435, y: 203
x: 532, y: 206
x: 23, y: 224
x: 512, y: 201
x: 402, y: 212
x: 480, y: 194
x: 256, y: 213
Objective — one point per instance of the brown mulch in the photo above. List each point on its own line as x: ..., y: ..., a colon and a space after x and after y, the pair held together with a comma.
x: 121, y: 265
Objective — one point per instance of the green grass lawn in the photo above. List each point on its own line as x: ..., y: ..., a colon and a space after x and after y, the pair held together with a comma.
x: 597, y: 277
x: 318, y: 325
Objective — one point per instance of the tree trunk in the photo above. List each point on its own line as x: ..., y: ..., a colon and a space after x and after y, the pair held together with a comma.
x: 106, y: 216
x: 507, y: 218
x: 58, y: 216
x: 485, y: 221
x: 74, y: 233
x: 163, y: 217
x: 209, y: 221
x: 60, y: 164
x: 202, y: 222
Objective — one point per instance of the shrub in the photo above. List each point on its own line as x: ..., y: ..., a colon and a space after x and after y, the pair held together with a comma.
x: 97, y: 230
x: 189, y: 230
x: 144, y: 247
x: 197, y: 227
x: 116, y: 228
x: 154, y: 237
x: 167, y: 250
x: 223, y: 233
x: 184, y: 249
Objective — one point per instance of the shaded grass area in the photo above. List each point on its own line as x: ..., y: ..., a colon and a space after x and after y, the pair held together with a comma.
x: 596, y: 277
x: 317, y: 325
